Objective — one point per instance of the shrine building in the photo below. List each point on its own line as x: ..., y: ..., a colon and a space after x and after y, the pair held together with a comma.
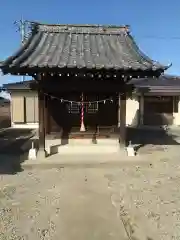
x: 88, y: 81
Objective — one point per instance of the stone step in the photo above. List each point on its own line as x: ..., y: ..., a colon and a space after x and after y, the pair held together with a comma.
x: 83, y: 142
x: 89, y: 141
x: 82, y: 146
x: 84, y: 149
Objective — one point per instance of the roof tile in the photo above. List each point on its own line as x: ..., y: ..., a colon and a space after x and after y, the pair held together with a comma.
x: 75, y: 46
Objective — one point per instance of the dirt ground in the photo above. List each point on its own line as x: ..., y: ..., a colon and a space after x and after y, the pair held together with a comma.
x: 123, y: 201
x: 58, y: 203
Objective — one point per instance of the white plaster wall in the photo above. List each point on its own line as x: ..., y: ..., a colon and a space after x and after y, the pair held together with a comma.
x: 176, y: 115
x: 132, y: 111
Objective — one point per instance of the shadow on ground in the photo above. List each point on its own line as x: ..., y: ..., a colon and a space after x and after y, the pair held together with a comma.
x: 14, y: 146
x: 156, y: 137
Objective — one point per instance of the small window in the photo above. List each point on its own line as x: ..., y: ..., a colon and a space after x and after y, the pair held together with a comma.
x: 92, y: 108
x: 74, y: 108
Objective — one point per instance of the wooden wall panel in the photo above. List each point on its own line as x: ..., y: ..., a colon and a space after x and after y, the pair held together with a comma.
x: 18, y: 109
x: 30, y: 109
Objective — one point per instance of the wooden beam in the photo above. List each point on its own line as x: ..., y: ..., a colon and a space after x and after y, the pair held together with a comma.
x: 122, y: 133
x: 66, y: 85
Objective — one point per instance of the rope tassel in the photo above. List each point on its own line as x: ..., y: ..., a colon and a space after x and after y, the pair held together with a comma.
x: 82, y: 129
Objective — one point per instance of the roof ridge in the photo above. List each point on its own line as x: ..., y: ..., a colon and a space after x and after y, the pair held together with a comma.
x: 81, y: 28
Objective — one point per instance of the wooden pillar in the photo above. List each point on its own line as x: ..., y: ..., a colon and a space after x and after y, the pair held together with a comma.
x: 141, y: 110
x: 41, y: 123
x: 46, y: 115
x: 122, y: 133
x: 119, y: 106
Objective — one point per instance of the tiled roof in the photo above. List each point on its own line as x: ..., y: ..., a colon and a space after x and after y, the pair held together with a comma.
x: 164, y: 85
x: 79, y: 47
x: 163, y: 81
x: 4, y: 100
x: 23, y: 85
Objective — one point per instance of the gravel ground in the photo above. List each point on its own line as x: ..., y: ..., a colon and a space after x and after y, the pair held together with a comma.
x: 146, y: 198
x: 29, y: 204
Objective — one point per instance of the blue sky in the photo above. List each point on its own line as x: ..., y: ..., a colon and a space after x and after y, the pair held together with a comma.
x: 154, y: 24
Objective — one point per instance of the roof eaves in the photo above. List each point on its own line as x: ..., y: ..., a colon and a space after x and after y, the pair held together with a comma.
x: 6, y: 64
x: 17, y: 85
x: 155, y: 65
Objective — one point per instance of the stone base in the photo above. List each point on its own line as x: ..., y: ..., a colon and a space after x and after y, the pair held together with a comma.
x: 32, y: 154
x: 41, y: 154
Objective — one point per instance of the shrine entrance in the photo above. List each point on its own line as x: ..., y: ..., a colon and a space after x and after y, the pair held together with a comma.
x: 82, y: 115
